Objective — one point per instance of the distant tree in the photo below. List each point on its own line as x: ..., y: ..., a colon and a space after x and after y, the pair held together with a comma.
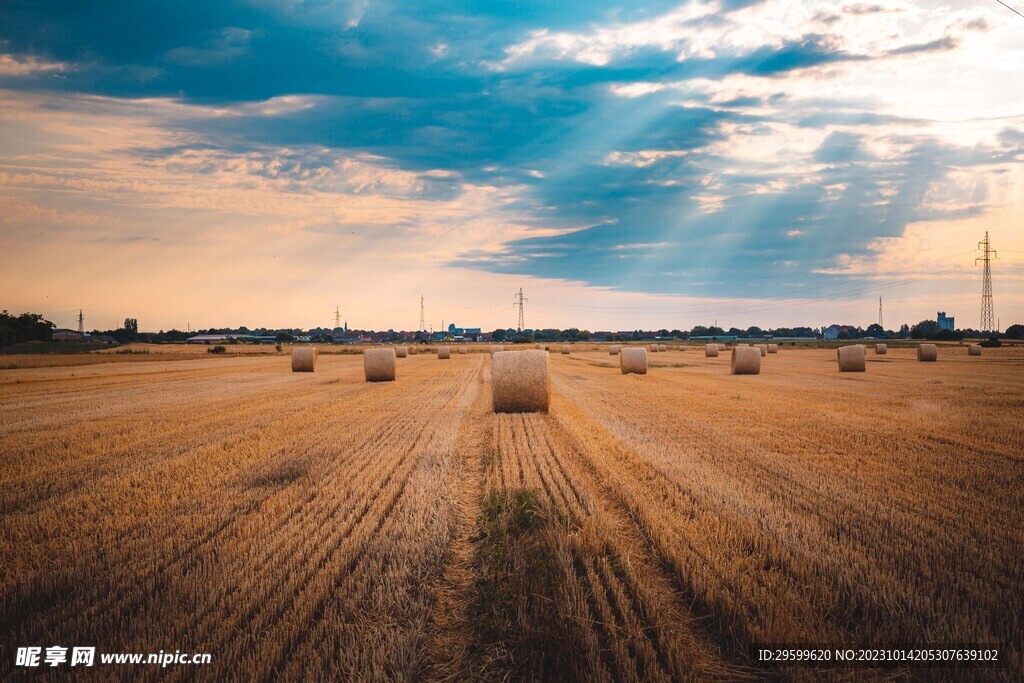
x: 1015, y: 332
x: 498, y: 335
x: 904, y: 331
x: 924, y: 329
x: 284, y: 337
x: 583, y: 335
x: 843, y: 334
x: 755, y: 331
x: 733, y: 332
x: 700, y: 331
x: 24, y: 328
x: 875, y: 330
x: 663, y: 333
x: 679, y: 334
x: 948, y: 335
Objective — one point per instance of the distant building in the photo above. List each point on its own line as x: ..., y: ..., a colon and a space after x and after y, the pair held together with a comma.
x: 65, y: 335
x: 944, y: 322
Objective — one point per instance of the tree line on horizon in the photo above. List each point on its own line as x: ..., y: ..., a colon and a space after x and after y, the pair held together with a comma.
x: 33, y: 327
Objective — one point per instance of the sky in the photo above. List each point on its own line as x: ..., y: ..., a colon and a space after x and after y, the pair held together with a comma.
x: 629, y: 165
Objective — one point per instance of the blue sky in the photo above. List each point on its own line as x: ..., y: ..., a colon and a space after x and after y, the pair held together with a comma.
x: 752, y: 162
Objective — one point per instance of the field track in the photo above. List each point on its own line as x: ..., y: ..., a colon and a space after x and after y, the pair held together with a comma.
x: 314, y: 526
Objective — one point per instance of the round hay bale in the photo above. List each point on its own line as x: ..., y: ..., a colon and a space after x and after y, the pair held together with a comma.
x: 711, y: 350
x: 413, y: 351
x: 746, y: 360
x: 633, y: 361
x: 566, y: 349
x: 614, y: 349
x: 520, y: 382
x: 723, y: 347
x: 379, y: 365
x: 653, y: 348
x: 662, y: 347
x: 763, y: 348
x: 881, y: 349
x: 773, y: 348
x: 304, y: 359
x: 927, y: 353
x: 401, y: 351
x: 852, y: 358
x: 462, y: 349
x: 974, y: 350
x: 444, y: 352
x: 495, y: 348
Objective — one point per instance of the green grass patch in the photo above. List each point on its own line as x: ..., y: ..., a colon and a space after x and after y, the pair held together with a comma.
x: 34, y: 348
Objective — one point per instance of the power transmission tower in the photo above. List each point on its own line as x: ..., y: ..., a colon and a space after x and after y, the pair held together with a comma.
x: 337, y: 317
x: 880, y: 313
x: 520, y: 300
x: 81, y: 322
x: 423, y: 322
x: 988, y: 316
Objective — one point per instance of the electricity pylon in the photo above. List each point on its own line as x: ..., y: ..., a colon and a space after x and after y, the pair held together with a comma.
x: 520, y: 300
x: 988, y: 316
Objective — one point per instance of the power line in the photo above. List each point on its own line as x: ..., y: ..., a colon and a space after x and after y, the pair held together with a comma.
x: 1010, y: 8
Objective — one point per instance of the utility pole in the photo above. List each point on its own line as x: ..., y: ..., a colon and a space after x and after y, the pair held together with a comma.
x: 880, y: 313
x: 988, y: 316
x: 81, y: 322
x: 337, y: 317
x: 423, y: 322
x: 520, y: 300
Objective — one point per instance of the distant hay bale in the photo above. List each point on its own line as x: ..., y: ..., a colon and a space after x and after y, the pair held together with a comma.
x: 711, y: 350
x: 881, y: 349
x: 444, y: 352
x: 746, y: 360
x: 304, y: 359
x: 723, y: 347
x: 614, y: 349
x: 495, y: 348
x: 633, y: 361
x: 412, y: 351
x: 401, y: 351
x: 379, y: 365
x: 537, y: 346
x: 520, y: 382
x: 927, y: 353
x: 653, y: 348
x: 852, y: 358
x: 773, y: 348
x: 566, y: 349
x: 462, y: 349
x: 662, y: 347
x: 763, y: 348
x: 974, y: 350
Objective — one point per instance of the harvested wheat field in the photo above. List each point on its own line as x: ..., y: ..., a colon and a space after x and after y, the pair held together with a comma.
x: 314, y: 526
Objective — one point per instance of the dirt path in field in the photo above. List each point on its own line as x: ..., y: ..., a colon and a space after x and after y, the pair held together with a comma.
x: 449, y: 654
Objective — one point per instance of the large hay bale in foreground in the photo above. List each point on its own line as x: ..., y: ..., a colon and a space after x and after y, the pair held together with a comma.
x: 927, y: 353
x: 746, y: 360
x: 711, y: 350
x: 773, y: 348
x: 304, y: 360
x: 462, y: 349
x: 566, y: 349
x: 614, y: 349
x: 852, y: 358
x: 520, y: 382
x: 379, y: 365
x: 495, y: 348
x: 444, y: 352
x: 881, y: 349
x: 401, y: 351
x: 763, y: 348
x: 633, y: 361
x: 974, y: 350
